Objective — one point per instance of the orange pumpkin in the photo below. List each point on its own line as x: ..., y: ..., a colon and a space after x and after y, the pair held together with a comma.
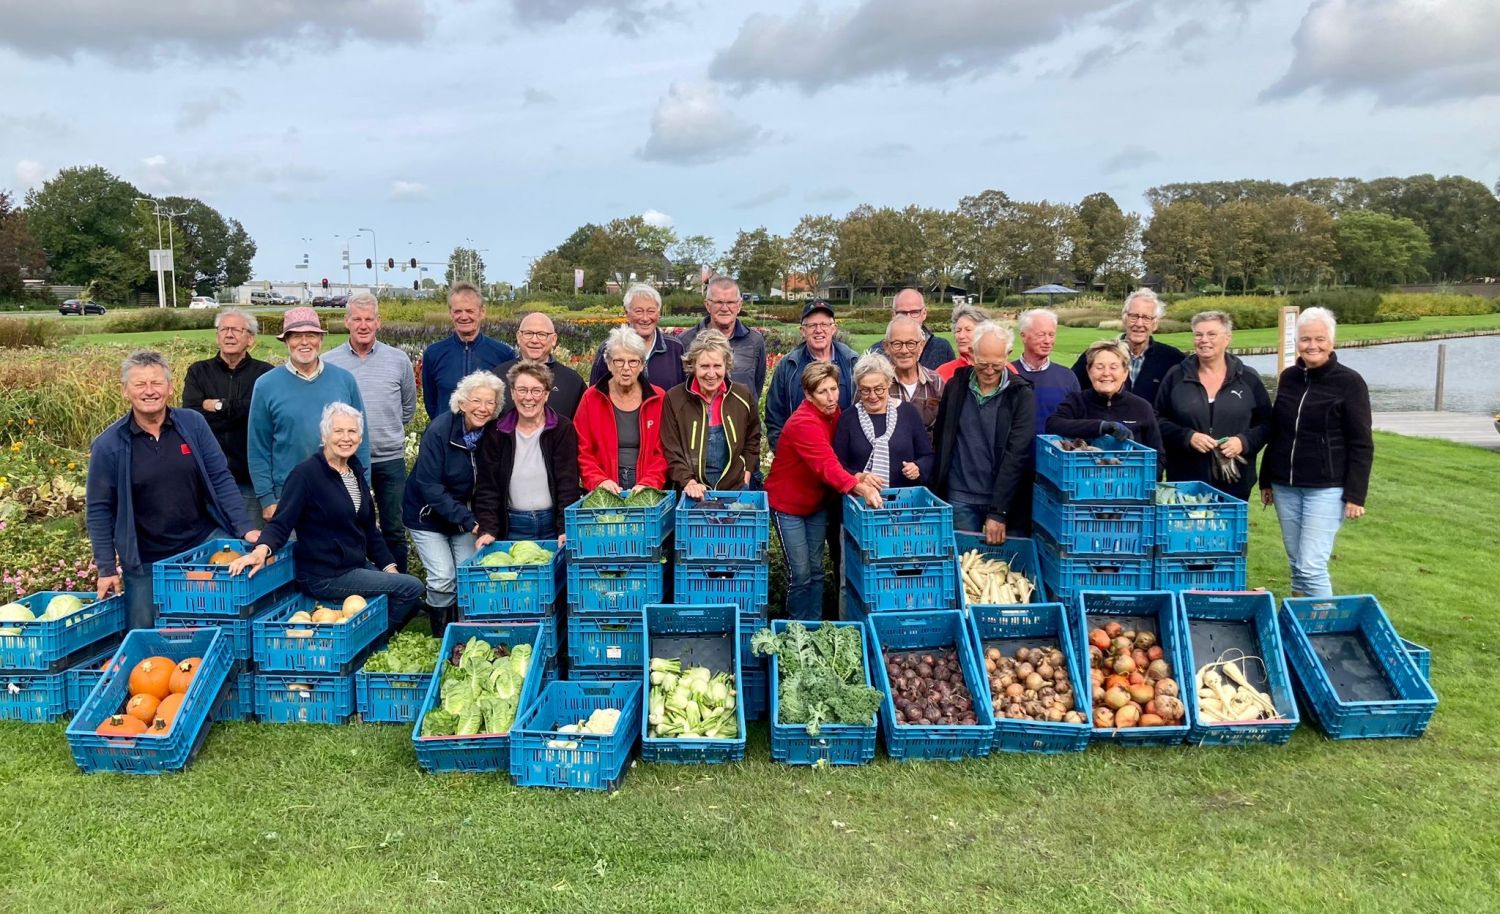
x: 182, y: 676
x: 152, y: 676
x: 142, y: 707
x: 166, y: 712
x: 121, y: 725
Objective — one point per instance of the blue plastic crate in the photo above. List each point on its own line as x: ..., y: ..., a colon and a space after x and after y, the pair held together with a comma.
x: 610, y: 643
x: 757, y: 694
x: 723, y: 527
x: 1032, y: 626
x: 328, y: 648
x: 1090, y: 528
x: 746, y: 584
x: 1017, y: 552
x: 1408, y: 702
x: 594, y: 761
x: 618, y: 534
x: 717, y: 630
x: 1068, y: 575
x: 1121, y: 471
x: 299, y: 698
x: 1421, y: 656
x: 614, y: 587
x: 46, y: 646
x: 239, y: 631
x: 1199, y: 572
x: 1203, y: 613
x: 238, y: 702
x: 488, y: 751
x: 750, y: 623
x: 484, y: 592
x: 902, y: 632
x: 835, y: 744
x: 389, y: 698
x: 84, y: 675
x: 173, y: 750
x: 189, y: 583
x: 1159, y: 610
x: 33, y: 697
x: 902, y: 585
x: 912, y: 524
x: 1222, y: 524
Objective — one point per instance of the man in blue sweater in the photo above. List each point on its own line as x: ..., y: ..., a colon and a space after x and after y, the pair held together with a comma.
x: 288, y: 405
x: 1050, y: 383
x: 468, y: 350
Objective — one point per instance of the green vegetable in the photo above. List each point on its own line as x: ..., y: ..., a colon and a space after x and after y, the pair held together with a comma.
x: 524, y: 552
x: 482, y: 692
x: 821, y: 673
x: 407, y: 652
x: 690, y: 704
x: 643, y: 497
x: 438, y: 722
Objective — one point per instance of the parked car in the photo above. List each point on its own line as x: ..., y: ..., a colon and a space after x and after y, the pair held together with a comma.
x: 203, y: 301
x: 75, y: 306
x: 288, y: 300
x: 261, y: 297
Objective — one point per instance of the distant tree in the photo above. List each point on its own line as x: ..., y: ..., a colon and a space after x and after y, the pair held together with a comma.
x: 758, y: 259
x: 1376, y: 249
x: 1300, y: 248
x: 881, y: 246
x: 1238, y: 239
x: 238, y: 255
x: 691, y: 254
x: 464, y: 265
x: 20, y: 256
x: 1106, y: 245
x: 942, y: 244
x: 983, y: 227
x: 88, y: 222
x: 1179, y: 244
x: 1039, y: 240
x: 811, y: 248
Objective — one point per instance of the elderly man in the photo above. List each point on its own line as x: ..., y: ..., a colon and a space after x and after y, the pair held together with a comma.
x: 915, y: 383
x: 1051, y: 383
x: 467, y: 350
x: 219, y: 388
x: 721, y: 299
x: 984, y: 431
x: 819, y: 344
x: 287, y: 407
x: 389, y: 388
x: 1150, y: 359
x: 158, y: 485
x: 536, y: 337
x: 911, y: 303
x: 663, y: 353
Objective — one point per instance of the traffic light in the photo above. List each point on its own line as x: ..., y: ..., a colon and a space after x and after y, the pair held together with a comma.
x: 369, y: 264
x: 390, y: 263
x: 416, y: 286
x: 325, y: 282
x: 414, y: 263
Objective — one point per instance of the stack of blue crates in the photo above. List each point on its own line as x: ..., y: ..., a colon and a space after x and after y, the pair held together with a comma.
x: 901, y: 557
x: 39, y: 659
x: 1201, y: 536
x: 616, y: 565
x: 1092, y: 515
x: 721, y: 548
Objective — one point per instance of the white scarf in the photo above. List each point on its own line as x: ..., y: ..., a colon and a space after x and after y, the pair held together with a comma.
x: 880, y: 447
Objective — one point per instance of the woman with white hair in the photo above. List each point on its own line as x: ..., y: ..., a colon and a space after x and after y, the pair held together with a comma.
x: 326, y: 502
x: 1316, y: 468
x: 619, y: 422
x: 883, y: 435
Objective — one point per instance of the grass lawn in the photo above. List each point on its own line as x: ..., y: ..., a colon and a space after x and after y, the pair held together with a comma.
x: 341, y: 819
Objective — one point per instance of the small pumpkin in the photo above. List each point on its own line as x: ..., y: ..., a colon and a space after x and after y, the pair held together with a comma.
x: 166, y: 713
x: 121, y: 725
x: 152, y: 676
x: 182, y: 676
x: 142, y: 707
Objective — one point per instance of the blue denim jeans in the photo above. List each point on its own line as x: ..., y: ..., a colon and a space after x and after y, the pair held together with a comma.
x: 441, y: 555
x: 969, y: 518
x: 402, y: 591
x: 1310, y: 520
x: 803, y: 539
x: 531, y: 525
x: 388, y: 485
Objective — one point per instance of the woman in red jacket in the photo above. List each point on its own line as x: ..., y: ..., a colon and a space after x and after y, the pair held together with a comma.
x: 805, y: 476
x: 619, y: 422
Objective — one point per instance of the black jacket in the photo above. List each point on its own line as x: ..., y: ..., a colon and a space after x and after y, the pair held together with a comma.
x: 211, y: 379
x: 440, y: 488
x: 1015, y: 432
x: 1241, y: 408
x: 332, y: 537
x: 1320, y: 431
x: 567, y: 388
x: 497, y: 455
x: 1160, y: 359
x: 1080, y: 414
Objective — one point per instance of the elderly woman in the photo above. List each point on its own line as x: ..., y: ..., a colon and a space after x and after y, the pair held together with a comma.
x: 882, y: 435
x: 710, y: 427
x: 663, y: 358
x: 527, y: 472
x: 805, y: 477
x: 1316, y: 468
x: 326, y: 502
x: 438, y: 506
x: 619, y: 422
x: 965, y: 319
x: 1214, y: 412
x: 1105, y: 407
x: 914, y: 382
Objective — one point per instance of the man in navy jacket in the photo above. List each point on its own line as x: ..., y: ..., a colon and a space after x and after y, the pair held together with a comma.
x: 1150, y: 359
x: 468, y: 350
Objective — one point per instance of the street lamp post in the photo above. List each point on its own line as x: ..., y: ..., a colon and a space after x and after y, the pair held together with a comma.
x: 161, y: 289
x: 172, y: 247
x: 375, y: 246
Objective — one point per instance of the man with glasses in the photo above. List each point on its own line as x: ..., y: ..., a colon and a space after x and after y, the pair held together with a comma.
x: 536, y: 337
x: 219, y: 388
x: 663, y: 352
x: 915, y: 383
x: 721, y: 299
x: 911, y: 303
x: 1150, y: 359
x: 819, y: 344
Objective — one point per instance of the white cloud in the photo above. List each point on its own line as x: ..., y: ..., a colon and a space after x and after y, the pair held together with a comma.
x: 770, y: 195
x: 1128, y: 159
x: 1405, y: 52
x: 196, y: 111
x: 692, y: 126
x: 30, y: 174
x: 626, y: 17
x: 209, y: 176
x: 657, y: 218
x: 409, y: 190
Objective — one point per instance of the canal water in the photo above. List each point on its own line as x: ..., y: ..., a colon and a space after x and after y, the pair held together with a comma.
x: 1403, y: 376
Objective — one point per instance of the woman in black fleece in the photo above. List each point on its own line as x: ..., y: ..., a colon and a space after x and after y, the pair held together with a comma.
x: 1106, y: 408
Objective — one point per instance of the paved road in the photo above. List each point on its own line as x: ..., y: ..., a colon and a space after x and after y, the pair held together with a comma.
x: 1463, y: 428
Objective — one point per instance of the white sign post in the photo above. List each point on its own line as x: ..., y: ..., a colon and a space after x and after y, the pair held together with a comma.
x: 1286, y: 350
x: 161, y: 262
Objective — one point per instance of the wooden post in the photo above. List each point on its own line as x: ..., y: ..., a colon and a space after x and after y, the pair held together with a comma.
x: 1286, y: 338
x: 1437, y: 399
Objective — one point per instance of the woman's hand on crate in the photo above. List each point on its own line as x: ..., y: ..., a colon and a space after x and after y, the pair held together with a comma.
x: 482, y: 540
x: 255, y: 559
x: 695, y: 490
x: 870, y: 493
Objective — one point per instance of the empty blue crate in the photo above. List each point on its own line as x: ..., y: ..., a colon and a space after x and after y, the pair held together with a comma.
x: 834, y: 744
x: 1116, y: 471
x: 1087, y: 528
x: 240, y: 631
x: 1421, y: 656
x: 1038, y: 625
x: 607, y: 642
x: 1155, y: 611
x: 45, y: 645
x: 696, y: 635
x: 618, y: 534
x: 745, y: 584
x: 389, y: 698
x: 1194, y: 518
x: 541, y: 756
x: 1018, y: 552
x: 1068, y: 575
x: 723, y: 527
x: 902, y: 584
x: 1359, y: 680
x: 912, y: 524
x: 297, y: 698
x: 283, y: 645
x: 615, y: 587
x: 940, y: 630
x: 499, y: 591
x: 189, y: 583
x: 756, y: 696
x: 1199, y: 572
x: 1240, y: 627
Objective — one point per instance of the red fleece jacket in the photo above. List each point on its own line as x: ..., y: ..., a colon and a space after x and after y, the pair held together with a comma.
x: 599, y: 441
x: 805, y: 466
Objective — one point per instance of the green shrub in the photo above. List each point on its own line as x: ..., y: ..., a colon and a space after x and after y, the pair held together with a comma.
x: 159, y: 319
x: 1350, y: 306
x: 20, y: 333
x: 1248, y: 311
x: 1399, y: 306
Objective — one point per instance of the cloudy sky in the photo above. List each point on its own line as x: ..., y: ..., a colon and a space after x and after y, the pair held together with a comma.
x: 436, y: 122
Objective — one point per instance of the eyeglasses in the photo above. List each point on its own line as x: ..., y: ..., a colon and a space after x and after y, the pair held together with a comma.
x: 725, y: 301
x: 917, y: 313
x: 873, y: 391
x: 818, y: 326
x: 625, y: 363
x: 989, y: 366
x: 901, y: 345
x: 1140, y: 318
x: 535, y: 334
x: 234, y: 330
x: 487, y: 401
x: 527, y: 393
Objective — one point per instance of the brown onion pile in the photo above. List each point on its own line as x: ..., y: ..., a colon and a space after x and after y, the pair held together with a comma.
x: 928, y: 689
x: 1032, y: 684
x: 1131, y: 680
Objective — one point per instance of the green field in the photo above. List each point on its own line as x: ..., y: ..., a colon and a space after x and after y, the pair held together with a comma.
x: 341, y: 820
